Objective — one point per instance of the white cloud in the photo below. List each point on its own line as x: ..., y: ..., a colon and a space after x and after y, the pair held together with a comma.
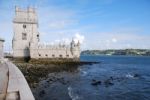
x: 114, y: 40
x: 61, y: 24
x: 66, y: 41
x: 79, y: 37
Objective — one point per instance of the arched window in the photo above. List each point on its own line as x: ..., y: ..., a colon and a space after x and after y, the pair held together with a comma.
x: 24, y: 36
x: 60, y: 56
x: 38, y: 35
x: 24, y: 26
x: 53, y: 55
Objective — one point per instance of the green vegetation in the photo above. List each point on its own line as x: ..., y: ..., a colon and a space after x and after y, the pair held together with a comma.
x: 134, y: 52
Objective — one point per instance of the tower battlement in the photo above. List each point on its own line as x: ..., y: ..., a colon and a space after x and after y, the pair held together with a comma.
x: 28, y: 15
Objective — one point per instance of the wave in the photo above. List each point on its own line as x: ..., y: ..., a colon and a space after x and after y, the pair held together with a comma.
x: 129, y: 76
x: 84, y: 73
x: 134, y: 76
x: 72, y: 94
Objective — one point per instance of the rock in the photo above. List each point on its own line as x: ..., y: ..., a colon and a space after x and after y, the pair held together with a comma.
x: 42, y: 93
x: 111, y: 78
x: 136, y: 75
x: 95, y: 82
x: 48, y: 81
x: 108, y: 82
x: 63, y: 81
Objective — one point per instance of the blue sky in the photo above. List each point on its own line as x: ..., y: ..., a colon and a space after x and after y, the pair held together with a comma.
x: 99, y: 24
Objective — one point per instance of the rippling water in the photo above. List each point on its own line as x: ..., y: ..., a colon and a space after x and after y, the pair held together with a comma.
x: 129, y: 77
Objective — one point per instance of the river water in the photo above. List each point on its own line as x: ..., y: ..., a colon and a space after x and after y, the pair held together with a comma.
x: 117, y: 77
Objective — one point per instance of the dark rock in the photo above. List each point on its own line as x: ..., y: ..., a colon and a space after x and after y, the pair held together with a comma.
x: 42, y: 93
x: 95, y: 82
x: 50, y: 79
x: 136, y: 75
x: 63, y: 81
x: 108, y: 83
x: 111, y: 78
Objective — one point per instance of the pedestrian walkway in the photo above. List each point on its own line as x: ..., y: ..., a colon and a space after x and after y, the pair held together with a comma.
x: 13, y: 85
x: 3, y: 80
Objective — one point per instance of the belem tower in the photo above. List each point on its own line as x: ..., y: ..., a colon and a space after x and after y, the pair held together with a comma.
x: 26, y: 39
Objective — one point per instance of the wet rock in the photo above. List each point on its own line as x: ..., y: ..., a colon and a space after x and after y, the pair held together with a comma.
x: 108, y: 82
x: 136, y: 75
x: 63, y: 81
x: 42, y: 93
x: 35, y: 85
x: 45, y: 86
x: 95, y: 82
x: 47, y: 81
x: 111, y: 78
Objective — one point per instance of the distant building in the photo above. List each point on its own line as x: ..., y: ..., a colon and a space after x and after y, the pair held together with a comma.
x: 26, y: 39
x: 1, y: 48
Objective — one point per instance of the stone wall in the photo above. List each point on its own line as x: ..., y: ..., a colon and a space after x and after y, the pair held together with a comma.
x: 43, y: 51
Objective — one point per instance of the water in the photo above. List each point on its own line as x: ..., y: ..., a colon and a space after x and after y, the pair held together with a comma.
x: 130, y: 78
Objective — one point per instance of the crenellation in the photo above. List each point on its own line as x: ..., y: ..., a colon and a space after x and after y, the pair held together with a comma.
x: 27, y: 16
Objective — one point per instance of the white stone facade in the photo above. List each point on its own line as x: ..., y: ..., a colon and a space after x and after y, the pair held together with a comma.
x: 26, y: 39
x: 1, y: 48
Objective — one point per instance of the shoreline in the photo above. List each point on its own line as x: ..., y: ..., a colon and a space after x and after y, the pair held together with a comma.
x: 39, y: 70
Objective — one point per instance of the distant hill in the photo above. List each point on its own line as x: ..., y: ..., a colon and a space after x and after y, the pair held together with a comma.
x: 134, y: 52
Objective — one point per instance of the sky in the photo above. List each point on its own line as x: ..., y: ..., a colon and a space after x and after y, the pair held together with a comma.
x: 98, y: 24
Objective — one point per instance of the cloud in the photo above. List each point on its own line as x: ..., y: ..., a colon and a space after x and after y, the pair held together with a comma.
x: 67, y: 39
x: 61, y: 24
x: 79, y: 37
x: 120, y: 41
x: 114, y: 40
x: 62, y: 41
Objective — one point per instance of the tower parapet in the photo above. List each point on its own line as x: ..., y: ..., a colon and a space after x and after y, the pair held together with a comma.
x: 28, y: 15
x: 75, y: 48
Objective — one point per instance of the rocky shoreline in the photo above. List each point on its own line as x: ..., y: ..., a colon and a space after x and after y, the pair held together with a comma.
x: 35, y: 71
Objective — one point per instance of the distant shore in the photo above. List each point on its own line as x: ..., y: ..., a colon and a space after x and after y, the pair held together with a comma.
x: 126, y: 52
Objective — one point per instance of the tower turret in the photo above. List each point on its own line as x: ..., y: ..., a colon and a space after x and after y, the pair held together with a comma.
x: 75, y: 49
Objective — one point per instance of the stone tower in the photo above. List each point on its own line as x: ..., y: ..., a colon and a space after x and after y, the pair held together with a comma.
x: 25, y: 26
x: 75, y: 49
